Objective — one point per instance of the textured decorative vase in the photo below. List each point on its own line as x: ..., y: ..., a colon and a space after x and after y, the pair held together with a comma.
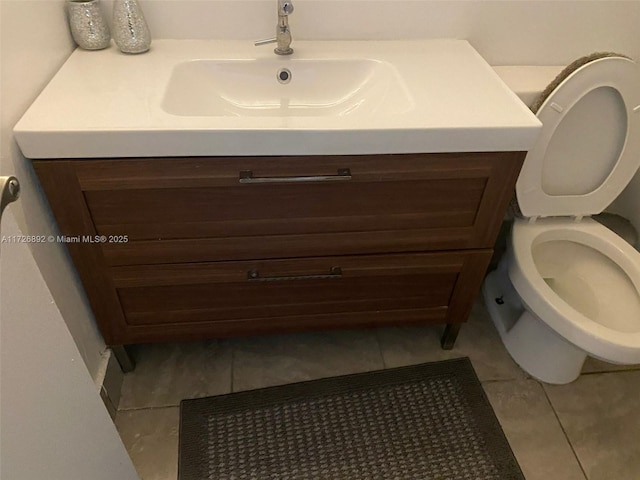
x: 130, y: 30
x: 88, y: 26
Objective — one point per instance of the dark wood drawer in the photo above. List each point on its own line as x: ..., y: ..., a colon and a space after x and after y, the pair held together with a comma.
x: 410, y: 234
x: 255, y: 297
x: 197, y: 210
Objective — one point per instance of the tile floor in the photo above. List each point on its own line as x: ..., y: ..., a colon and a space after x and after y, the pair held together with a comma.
x: 588, y: 430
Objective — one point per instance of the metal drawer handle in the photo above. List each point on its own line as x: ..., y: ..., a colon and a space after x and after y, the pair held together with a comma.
x: 254, y: 276
x: 246, y: 176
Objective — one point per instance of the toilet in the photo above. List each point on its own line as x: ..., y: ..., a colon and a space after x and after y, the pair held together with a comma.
x: 568, y: 287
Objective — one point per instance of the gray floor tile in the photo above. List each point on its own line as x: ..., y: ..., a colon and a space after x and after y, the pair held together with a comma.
x: 279, y: 359
x: 593, y: 365
x: 533, y: 431
x: 151, y: 438
x: 168, y: 373
x: 599, y: 413
x: 478, y: 340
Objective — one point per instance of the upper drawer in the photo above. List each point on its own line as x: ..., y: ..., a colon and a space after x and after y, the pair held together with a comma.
x: 207, y: 209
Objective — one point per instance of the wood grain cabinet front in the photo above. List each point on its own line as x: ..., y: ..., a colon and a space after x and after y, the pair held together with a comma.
x: 220, y: 246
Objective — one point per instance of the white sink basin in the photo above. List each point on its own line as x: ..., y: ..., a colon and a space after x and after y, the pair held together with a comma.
x: 339, y: 87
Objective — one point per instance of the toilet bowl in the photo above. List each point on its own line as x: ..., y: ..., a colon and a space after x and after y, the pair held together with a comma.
x: 569, y: 287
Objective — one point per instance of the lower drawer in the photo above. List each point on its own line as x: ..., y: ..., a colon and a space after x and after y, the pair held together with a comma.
x: 187, y: 301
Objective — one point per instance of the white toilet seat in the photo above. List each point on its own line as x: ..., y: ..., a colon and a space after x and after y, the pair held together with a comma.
x: 607, y: 93
x: 605, y: 342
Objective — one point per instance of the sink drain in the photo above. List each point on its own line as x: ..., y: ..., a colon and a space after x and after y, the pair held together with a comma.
x: 284, y: 75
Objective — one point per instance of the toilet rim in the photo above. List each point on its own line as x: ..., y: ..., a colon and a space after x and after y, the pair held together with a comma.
x: 577, y: 328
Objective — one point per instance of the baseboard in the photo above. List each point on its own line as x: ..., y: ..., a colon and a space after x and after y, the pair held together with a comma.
x: 111, y: 385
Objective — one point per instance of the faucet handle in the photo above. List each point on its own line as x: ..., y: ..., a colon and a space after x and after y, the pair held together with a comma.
x: 265, y: 41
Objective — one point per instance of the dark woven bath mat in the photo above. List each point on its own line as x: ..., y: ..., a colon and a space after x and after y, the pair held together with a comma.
x: 425, y: 422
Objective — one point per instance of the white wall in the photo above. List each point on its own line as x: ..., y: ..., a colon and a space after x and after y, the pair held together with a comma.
x: 34, y: 43
x: 505, y: 32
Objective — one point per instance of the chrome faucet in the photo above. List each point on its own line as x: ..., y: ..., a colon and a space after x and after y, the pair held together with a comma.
x: 283, y: 33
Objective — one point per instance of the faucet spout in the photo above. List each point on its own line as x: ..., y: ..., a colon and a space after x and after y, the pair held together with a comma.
x: 283, y: 32
x: 285, y: 7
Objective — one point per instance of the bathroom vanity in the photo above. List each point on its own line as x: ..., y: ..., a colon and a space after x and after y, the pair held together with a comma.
x: 251, y: 210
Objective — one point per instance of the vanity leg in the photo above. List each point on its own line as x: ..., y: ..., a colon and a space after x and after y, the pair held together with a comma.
x: 449, y: 336
x: 126, y: 361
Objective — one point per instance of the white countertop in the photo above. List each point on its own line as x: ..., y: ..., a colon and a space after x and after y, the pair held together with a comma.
x: 108, y: 104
